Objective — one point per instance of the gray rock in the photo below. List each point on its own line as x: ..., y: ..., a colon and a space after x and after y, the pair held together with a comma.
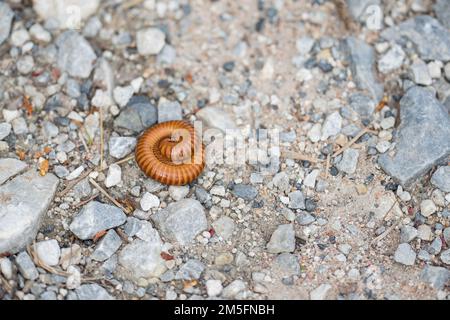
x: 61, y: 171
x: 349, y: 161
x: 296, y: 200
x: 445, y: 256
x: 320, y: 293
x: 49, y: 129
x: 431, y: 39
x: 362, y: 64
x: 244, y: 191
x: 435, y: 247
x: 362, y: 104
x: 405, y: 254
x: 392, y: 60
x: 119, y: 147
x: 216, y: 118
x: 10, y: 167
x: 442, y: 11
x: 48, y: 295
x: 181, y: 221
x: 93, y: 292
x: 169, y: 110
x: 19, y: 126
x: 407, y: 234
x: 446, y: 234
x: 230, y: 291
x: 304, y: 218
x: 141, y: 259
x: 224, y: 227
x: 191, y: 270
x: 82, y: 189
x: 167, y: 55
x: 95, y: 217
x: 282, y: 240
x: 25, y: 201
x: 107, y: 246
x: 6, y: 17
x: 288, y: 263
x: 420, y: 74
x: 331, y: 126
x: 5, y: 130
x: 441, y: 178
x: 75, y: 54
x: 26, y: 266
x: 436, y: 277
x: 424, y: 121
x: 139, y: 114
x: 358, y: 8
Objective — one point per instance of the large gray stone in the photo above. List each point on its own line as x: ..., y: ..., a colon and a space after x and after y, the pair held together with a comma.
x: 141, y: 259
x: 93, y: 291
x: 431, y: 39
x: 282, y: 239
x: 422, y: 139
x: 442, y: 11
x: 9, y: 167
x: 441, y: 178
x: 138, y: 115
x: 362, y: 64
x: 437, y: 277
x: 24, y: 201
x: 75, y: 54
x: 181, y: 221
x: 95, y: 217
x: 6, y: 17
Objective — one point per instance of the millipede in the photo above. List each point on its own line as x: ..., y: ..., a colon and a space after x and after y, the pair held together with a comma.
x: 171, y: 153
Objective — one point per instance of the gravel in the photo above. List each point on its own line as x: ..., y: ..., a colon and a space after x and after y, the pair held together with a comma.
x: 282, y: 239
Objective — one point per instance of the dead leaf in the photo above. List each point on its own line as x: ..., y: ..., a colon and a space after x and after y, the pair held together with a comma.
x: 27, y: 105
x: 382, y: 104
x: 43, y: 167
x: 99, y: 235
x: 166, y: 256
x: 20, y: 154
x: 47, y: 149
x: 189, y: 284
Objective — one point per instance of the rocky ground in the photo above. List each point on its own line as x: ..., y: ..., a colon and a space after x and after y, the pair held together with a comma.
x: 356, y: 207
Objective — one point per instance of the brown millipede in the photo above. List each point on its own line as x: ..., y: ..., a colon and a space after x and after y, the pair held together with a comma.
x: 171, y: 153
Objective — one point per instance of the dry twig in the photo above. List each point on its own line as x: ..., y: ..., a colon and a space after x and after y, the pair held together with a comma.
x: 106, y: 194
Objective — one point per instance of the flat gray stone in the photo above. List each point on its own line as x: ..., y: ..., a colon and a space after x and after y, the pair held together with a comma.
x: 224, y: 227
x: 288, y: 264
x: 25, y: 200
x: 362, y: 65
x: 215, y: 117
x: 93, y: 291
x: 191, y: 270
x: 422, y: 139
x: 95, y: 217
x: 405, y: 254
x: 296, y: 200
x: 141, y: 259
x: 139, y: 114
x: 282, y: 239
x: 119, y: 147
x: 436, y: 277
x: 169, y: 110
x: 107, y: 246
x: 26, y: 266
x: 349, y: 161
x: 442, y: 11
x: 75, y: 54
x: 441, y: 178
x: 431, y: 39
x: 9, y: 167
x: 181, y: 221
x: 244, y: 191
x: 5, y: 130
x: 6, y: 17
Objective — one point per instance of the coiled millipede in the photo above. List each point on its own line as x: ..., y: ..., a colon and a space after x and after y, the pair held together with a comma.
x: 171, y: 153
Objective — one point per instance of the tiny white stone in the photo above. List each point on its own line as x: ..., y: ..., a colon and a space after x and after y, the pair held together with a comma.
x: 123, y: 94
x: 218, y: 191
x: 427, y: 208
x: 178, y: 192
x: 114, y: 176
x: 214, y: 287
x: 149, y: 201
x: 150, y: 41
x: 48, y: 252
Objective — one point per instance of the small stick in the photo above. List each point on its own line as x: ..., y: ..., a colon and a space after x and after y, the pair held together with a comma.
x: 118, y: 162
x: 44, y: 266
x: 74, y: 182
x: 86, y: 201
x: 101, y: 138
x: 106, y: 194
x: 351, y: 142
x: 299, y: 156
x: 327, y: 168
x: 384, y: 234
